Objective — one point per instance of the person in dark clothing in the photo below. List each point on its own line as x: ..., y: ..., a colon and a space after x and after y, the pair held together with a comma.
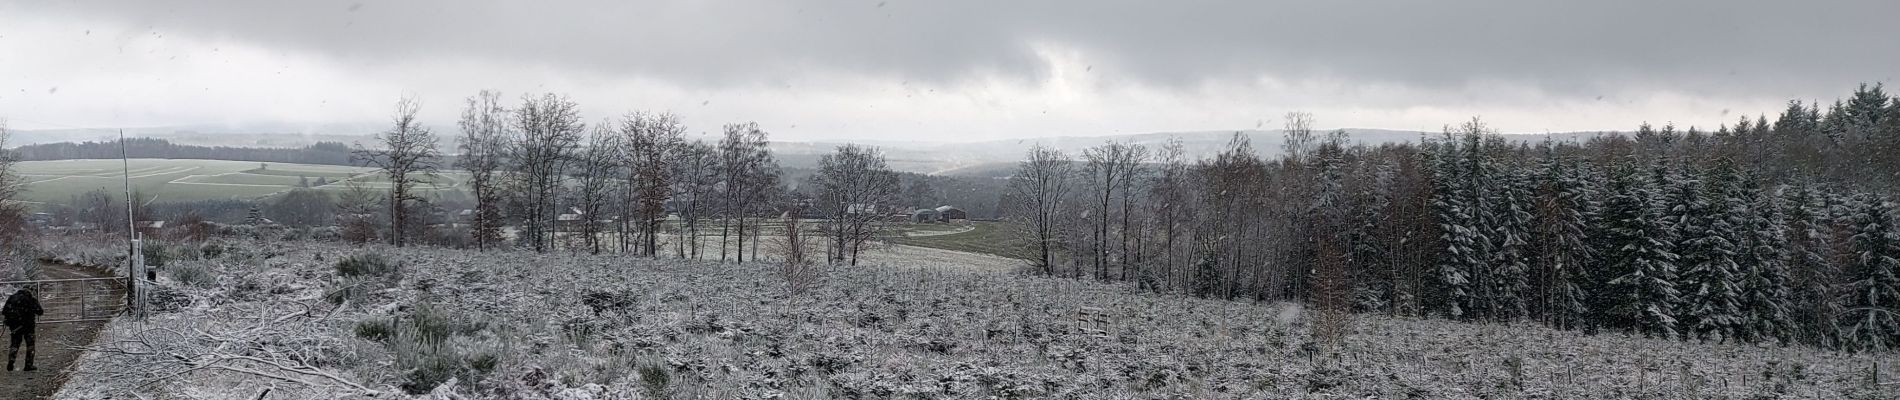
x: 21, y: 312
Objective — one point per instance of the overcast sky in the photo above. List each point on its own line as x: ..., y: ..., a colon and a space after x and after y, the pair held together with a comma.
x: 944, y: 70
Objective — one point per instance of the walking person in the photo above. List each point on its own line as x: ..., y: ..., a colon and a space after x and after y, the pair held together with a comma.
x: 21, y: 312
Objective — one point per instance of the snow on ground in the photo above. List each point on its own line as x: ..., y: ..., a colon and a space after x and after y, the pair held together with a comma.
x: 465, y: 324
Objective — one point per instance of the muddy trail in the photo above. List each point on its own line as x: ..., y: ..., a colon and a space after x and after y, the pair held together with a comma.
x: 67, y: 293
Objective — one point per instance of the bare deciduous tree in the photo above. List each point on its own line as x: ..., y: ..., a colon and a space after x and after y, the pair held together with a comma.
x: 653, y: 139
x: 1300, y: 141
x: 749, y: 173
x: 407, y: 155
x: 596, y: 171
x: 696, y: 171
x: 1168, y: 195
x: 1041, y: 184
x: 854, y: 188
x: 1110, y: 169
x: 484, y: 126
x: 548, y: 128
x: 97, y: 209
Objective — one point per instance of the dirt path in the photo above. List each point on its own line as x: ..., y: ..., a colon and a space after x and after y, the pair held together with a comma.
x: 53, y: 358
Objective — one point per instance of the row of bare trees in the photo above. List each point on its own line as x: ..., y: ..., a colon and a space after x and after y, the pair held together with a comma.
x: 538, y: 168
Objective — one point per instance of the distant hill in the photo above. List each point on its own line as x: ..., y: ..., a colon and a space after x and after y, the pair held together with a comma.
x: 981, y: 159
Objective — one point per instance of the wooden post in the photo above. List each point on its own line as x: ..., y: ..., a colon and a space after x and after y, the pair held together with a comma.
x: 131, y: 229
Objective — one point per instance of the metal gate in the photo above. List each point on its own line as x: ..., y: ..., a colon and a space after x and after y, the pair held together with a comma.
x: 75, y: 300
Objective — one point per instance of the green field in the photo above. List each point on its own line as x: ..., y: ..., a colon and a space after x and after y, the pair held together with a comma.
x: 986, y: 237
x: 192, y: 180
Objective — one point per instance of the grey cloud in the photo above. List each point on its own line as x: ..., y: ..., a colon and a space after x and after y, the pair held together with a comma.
x: 1581, y: 49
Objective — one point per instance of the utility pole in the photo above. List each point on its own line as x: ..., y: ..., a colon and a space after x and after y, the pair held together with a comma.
x: 132, y: 259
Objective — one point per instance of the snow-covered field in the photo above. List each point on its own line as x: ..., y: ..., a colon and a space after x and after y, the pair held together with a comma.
x: 465, y: 324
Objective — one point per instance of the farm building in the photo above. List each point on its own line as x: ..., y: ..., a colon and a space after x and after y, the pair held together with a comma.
x: 925, y: 215
x: 951, y: 213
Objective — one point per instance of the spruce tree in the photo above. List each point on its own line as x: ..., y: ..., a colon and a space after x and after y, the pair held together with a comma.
x: 1478, y: 180
x: 1457, y: 232
x: 1707, y: 228
x: 1510, y: 235
x: 1873, y: 292
x: 1640, y: 294
x: 1764, y: 277
x: 1564, y: 203
x: 1813, y: 297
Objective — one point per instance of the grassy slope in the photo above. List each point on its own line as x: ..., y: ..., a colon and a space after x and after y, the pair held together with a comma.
x: 598, y: 324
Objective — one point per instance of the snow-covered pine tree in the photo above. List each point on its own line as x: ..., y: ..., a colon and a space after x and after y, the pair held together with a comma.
x: 1873, y: 294
x: 1456, y: 225
x: 1563, y: 205
x: 1478, y: 179
x: 1765, y: 293
x: 1707, y: 229
x: 1207, y: 274
x: 1510, y: 232
x: 1370, y: 252
x: 1640, y: 294
x: 1813, y: 277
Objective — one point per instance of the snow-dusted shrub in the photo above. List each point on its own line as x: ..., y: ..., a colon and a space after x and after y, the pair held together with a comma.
x: 19, y: 267
x: 195, y: 274
x: 211, y: 250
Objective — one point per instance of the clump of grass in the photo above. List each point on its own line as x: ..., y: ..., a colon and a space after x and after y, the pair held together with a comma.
x: 366, y: 264
x: 361, y: 274
x: 654, y: 378
x: 432, y: 327
x: 421, y: 344
x: 484, y: 362
x: 376, y: 330
x: 428, y: 366
x: 353, y: 290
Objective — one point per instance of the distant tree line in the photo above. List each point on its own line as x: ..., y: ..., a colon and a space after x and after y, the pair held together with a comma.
x: 1765, y: 230
x: 322, y: 153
